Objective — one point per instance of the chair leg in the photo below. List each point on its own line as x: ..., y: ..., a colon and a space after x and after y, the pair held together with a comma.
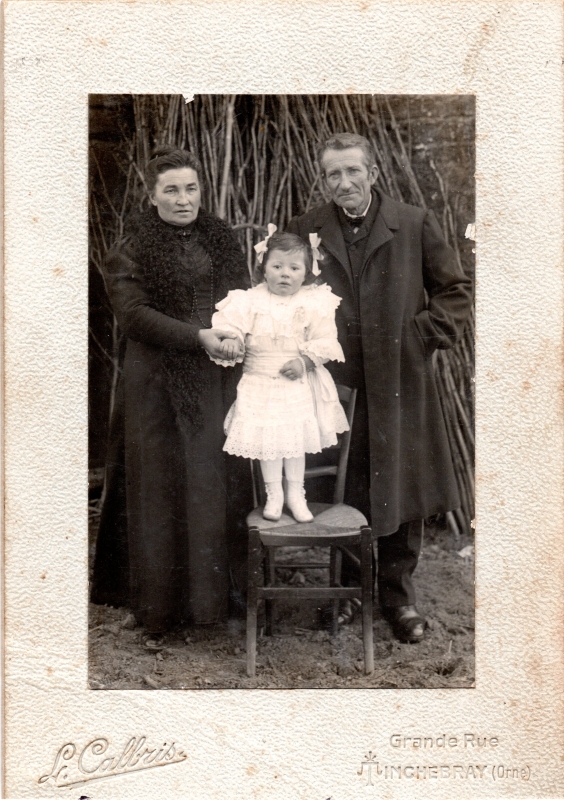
x: 255, y: 559
x: 335, y: 563
x: 269, y: 578
x: 366, y: 583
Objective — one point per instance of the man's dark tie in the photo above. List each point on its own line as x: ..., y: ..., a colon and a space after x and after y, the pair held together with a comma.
x: 356, y: 222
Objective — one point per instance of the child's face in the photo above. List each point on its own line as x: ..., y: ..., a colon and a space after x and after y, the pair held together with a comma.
x: 285, y: 271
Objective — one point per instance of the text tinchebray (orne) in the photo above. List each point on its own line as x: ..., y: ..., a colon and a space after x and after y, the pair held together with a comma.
x: 466, y: 756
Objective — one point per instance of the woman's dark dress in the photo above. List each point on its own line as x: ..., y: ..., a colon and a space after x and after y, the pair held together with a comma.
x: 185, y: 498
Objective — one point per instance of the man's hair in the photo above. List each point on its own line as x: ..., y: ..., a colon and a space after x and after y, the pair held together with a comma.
x: 344, y: 141
x: 288, y: 243
x: 168, y: 157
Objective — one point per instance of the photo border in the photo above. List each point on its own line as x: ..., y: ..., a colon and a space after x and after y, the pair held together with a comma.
x: 291, y: 743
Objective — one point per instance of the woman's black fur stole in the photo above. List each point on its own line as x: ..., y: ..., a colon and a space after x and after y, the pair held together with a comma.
x: 169, y: 279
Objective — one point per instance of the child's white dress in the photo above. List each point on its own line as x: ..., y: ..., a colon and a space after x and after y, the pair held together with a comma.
x: 274, y: 417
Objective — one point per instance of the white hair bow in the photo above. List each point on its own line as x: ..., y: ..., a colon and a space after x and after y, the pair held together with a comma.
x: 260, y: 248
x: 315, y: 241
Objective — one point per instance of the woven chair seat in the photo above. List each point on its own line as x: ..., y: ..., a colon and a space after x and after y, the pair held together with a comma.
x: 330, y: 523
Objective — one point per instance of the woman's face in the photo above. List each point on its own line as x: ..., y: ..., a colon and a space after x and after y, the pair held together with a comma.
x: 177, y: 195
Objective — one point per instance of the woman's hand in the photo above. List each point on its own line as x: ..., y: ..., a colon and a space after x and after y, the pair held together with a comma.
x: 212, y: 338
x: 294, y: 369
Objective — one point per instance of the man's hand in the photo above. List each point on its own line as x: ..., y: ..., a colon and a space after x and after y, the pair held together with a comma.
x: 211, y: 339
x: 294, y: 369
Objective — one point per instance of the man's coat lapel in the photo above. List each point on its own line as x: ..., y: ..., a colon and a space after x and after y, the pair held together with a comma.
x: 385, y: 225
x: 329, y: 228
x: 332, y: 238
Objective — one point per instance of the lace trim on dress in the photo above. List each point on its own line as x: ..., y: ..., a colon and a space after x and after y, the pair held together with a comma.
x: 225, y: 363
x: 249, y: 440
x: 321, y: 350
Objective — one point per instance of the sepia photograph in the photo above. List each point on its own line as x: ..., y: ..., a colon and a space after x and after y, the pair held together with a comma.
x: 282, y: 386
x: 281, y: 391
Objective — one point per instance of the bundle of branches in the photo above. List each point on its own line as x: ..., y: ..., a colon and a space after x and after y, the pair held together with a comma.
x: 259, y: 158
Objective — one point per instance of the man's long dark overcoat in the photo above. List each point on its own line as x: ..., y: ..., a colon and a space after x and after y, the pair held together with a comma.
x: 412, y: 298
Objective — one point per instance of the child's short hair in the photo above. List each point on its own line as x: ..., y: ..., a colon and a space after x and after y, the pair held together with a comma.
x: 287, y: 242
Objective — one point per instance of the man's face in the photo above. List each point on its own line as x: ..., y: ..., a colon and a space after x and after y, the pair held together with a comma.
x: 348, y: 178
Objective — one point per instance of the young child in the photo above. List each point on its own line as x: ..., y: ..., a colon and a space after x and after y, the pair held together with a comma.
x: 287, y: 403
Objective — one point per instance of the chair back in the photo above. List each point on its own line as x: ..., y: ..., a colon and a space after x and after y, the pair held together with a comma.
x: 347, y: 397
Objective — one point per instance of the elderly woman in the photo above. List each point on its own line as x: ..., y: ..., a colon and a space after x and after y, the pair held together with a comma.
x: 163, y: 280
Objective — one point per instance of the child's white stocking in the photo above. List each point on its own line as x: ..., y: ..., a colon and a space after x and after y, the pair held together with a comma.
x: 272, y: 470
x: 272, y: 476
x: 294, y: 469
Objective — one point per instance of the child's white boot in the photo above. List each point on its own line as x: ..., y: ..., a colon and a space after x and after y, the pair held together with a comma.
x: 296, y: 502
x: 274, y: 501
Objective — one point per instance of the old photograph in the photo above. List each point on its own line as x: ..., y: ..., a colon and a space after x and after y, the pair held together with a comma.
x: 281, y: 391
x: 283, y: 453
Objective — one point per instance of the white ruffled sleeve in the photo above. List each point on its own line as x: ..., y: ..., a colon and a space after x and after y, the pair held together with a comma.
x: 234, y: 315
x: 321, y: 343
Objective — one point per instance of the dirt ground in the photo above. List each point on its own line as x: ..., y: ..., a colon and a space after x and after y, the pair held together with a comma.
x: 300, y: 654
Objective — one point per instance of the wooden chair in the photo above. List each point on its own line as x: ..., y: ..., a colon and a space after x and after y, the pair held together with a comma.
x: 336, y: 526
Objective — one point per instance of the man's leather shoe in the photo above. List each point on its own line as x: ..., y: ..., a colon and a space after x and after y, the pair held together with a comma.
x: 407, y: 624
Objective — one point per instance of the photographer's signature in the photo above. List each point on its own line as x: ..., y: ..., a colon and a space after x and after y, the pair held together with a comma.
x: 97, y: 760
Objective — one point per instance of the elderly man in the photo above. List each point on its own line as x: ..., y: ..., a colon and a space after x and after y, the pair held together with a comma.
x: 403, y: 296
